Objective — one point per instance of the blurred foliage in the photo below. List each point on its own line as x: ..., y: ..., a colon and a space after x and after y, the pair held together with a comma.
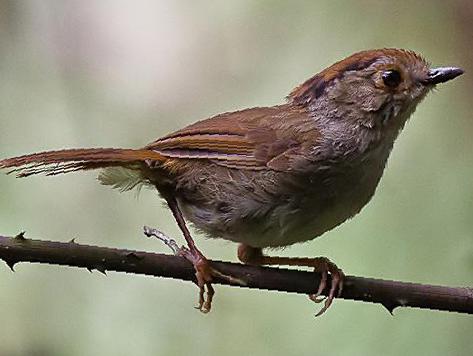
x: 117, y: 73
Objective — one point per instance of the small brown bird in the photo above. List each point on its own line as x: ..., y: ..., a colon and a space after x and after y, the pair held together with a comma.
x: 272, y: 176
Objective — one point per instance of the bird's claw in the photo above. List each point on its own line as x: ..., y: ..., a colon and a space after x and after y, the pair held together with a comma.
x: 204, y: 272
x: 324, y: 266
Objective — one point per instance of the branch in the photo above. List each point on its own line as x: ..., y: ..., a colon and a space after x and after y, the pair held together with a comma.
x: 390, y: 294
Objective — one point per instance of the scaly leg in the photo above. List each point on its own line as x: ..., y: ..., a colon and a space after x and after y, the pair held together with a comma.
x: 323, y: 265
x: 203, y: 271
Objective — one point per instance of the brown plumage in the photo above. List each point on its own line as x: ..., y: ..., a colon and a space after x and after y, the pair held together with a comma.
x: 272, y: 176
x: 255, y: 139
x: 65, y: 161
x: 315, y: 86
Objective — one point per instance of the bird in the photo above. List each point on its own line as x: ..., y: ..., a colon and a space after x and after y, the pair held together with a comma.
x: 270, y: 177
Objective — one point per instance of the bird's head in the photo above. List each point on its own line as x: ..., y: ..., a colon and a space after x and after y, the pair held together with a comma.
x: 374, y: 88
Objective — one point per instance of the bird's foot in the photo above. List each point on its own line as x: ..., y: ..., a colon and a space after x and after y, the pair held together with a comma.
x: 324, y: 266
x: 204, y: 272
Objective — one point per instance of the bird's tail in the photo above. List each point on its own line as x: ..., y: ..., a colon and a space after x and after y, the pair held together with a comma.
x: 65, y: 161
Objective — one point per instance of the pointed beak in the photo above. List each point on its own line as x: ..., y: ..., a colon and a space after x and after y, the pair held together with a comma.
x: 442, y: 75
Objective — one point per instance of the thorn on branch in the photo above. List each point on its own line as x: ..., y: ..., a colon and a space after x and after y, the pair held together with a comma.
x: 20, y: 236
x: 99, y: 268
x: 11, y: 264
x: 390, y: 307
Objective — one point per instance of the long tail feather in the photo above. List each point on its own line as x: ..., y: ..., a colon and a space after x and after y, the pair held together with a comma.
x: 65, y: 161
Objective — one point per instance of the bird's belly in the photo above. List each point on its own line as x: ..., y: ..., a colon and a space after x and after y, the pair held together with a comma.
x: 286, y: 227
x: 299, y: 220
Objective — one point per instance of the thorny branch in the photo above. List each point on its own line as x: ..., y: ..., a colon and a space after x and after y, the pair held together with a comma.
x: 390, y: 294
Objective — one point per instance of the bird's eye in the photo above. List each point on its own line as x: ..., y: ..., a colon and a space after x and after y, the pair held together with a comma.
x: 392, y: 78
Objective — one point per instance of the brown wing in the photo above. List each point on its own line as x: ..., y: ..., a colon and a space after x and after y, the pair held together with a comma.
x: 257, y: 138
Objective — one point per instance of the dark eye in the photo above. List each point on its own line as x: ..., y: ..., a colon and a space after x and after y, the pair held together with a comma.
x: 391, y: 78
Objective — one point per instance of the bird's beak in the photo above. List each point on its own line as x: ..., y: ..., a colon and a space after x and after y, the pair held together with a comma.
x: 442, y: 74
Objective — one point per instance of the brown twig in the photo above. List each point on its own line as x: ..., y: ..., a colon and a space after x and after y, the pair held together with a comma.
x: 390, y: 294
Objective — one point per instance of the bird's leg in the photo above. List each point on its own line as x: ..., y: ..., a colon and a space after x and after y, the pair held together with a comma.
x: 203, y: 270
x: 255, y: 256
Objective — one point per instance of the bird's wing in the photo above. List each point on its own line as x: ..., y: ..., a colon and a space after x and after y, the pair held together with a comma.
x: 259, y: 138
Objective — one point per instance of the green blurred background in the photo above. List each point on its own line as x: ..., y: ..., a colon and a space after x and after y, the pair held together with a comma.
x: 121, y: 73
